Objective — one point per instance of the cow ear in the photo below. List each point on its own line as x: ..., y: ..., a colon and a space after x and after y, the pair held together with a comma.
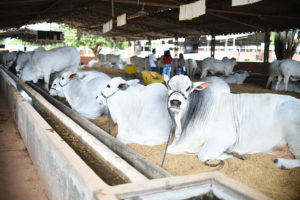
x: 123, y: 86
x: 201, y: 85
x: 72, y: 76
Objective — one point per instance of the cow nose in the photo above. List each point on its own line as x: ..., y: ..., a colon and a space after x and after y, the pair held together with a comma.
x: 175, y: 103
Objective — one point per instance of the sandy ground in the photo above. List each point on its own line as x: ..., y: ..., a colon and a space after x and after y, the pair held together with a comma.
x: 257, y: 170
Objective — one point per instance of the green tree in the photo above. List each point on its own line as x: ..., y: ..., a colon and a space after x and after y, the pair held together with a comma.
x: 94, y: 42
x: 286, y: 44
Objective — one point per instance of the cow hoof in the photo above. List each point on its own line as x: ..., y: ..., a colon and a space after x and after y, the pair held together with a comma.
x: 221, y: 163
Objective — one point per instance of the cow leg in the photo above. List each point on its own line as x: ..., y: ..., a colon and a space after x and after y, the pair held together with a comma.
x: 286, y: 82
x: 46, y: 79
x: 193, y: 74
x: 204, y: 73
x: 293, y: 140
x: 269, y: 81
x: 284, y: 163
x: 278, y: 82
x: 213, y: 150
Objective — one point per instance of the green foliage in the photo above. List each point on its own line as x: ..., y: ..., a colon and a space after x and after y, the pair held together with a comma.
x: 94, y: 42
x: 19, y: 42
x: 2, y: 41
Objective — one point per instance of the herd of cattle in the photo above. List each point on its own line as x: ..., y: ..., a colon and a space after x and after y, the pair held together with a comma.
x: 210, y: 121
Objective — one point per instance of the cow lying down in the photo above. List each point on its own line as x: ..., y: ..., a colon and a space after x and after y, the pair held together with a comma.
x: 293, y: 86
x: 212, y: 123
x: 237, y: 77
x: 80, y: 90
x: 140, y: 111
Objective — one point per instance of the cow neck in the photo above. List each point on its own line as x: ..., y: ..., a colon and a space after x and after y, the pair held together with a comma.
x: 108, y: 110
x: 107, y: 97
x: 72, y: 90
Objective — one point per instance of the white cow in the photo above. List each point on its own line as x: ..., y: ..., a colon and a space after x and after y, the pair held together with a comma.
x: 142, y: 63
x: 191, y: 67
x: 101, y: 57
x: 273, y: 72
x: 81, y: 91
x: 84, y: 75
x: 8, y: 58
x: 212, y: 65
x: 22, y: 59
x: 212, y: 122
x: 287, y: 69
x: 2, y: 53
x: 97, y: 63
x: 94, y: 63
x: 116, y: 60
x: 43, y: 63
x: 140, y: 111
x: 237, y: 77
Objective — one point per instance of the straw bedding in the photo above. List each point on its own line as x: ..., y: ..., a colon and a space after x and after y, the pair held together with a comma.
x: 256, y: 170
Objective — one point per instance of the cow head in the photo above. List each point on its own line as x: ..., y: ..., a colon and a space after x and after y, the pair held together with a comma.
x: 56, y: 89
x: 66, y: 77
x: 179, y: 89
x: 112, y: 87
x: 28, y: 74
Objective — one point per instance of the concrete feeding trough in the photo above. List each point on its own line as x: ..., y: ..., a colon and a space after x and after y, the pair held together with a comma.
x: 66, y: 176
x: 208, y: 185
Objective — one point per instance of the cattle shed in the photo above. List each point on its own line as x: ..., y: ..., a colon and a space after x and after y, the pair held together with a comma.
x: 153, y: 19
x: 63, y: 171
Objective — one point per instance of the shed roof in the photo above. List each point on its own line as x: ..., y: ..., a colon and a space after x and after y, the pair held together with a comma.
x: 152, y: 19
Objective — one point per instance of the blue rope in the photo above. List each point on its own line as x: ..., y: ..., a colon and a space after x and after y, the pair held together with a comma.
x: 172, y: 118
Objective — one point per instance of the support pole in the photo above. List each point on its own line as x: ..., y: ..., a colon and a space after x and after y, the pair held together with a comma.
x: 213, y: 45
x: 150, y: 46
x: 176, y: 46
x: 266, y: 50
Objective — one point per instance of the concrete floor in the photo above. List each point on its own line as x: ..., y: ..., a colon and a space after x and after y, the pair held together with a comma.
x: 18, y: 177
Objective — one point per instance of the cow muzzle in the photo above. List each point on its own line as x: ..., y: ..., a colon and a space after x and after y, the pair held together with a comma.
x: 175, y: 103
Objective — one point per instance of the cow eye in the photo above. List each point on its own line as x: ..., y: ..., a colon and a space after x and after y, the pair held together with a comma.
x: 188, y: 88
x: 108, y: 86
x: 54, y: 85
x: 62, y: 78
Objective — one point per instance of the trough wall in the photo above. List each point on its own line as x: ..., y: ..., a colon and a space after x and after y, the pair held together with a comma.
x: 63, y: 172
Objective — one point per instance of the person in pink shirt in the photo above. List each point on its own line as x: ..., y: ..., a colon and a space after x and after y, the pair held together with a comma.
x: 167, y: 59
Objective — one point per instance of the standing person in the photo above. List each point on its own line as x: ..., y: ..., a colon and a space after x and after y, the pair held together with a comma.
x: 152, y: 61
x: 167, y: 63
x: 181, y: 65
